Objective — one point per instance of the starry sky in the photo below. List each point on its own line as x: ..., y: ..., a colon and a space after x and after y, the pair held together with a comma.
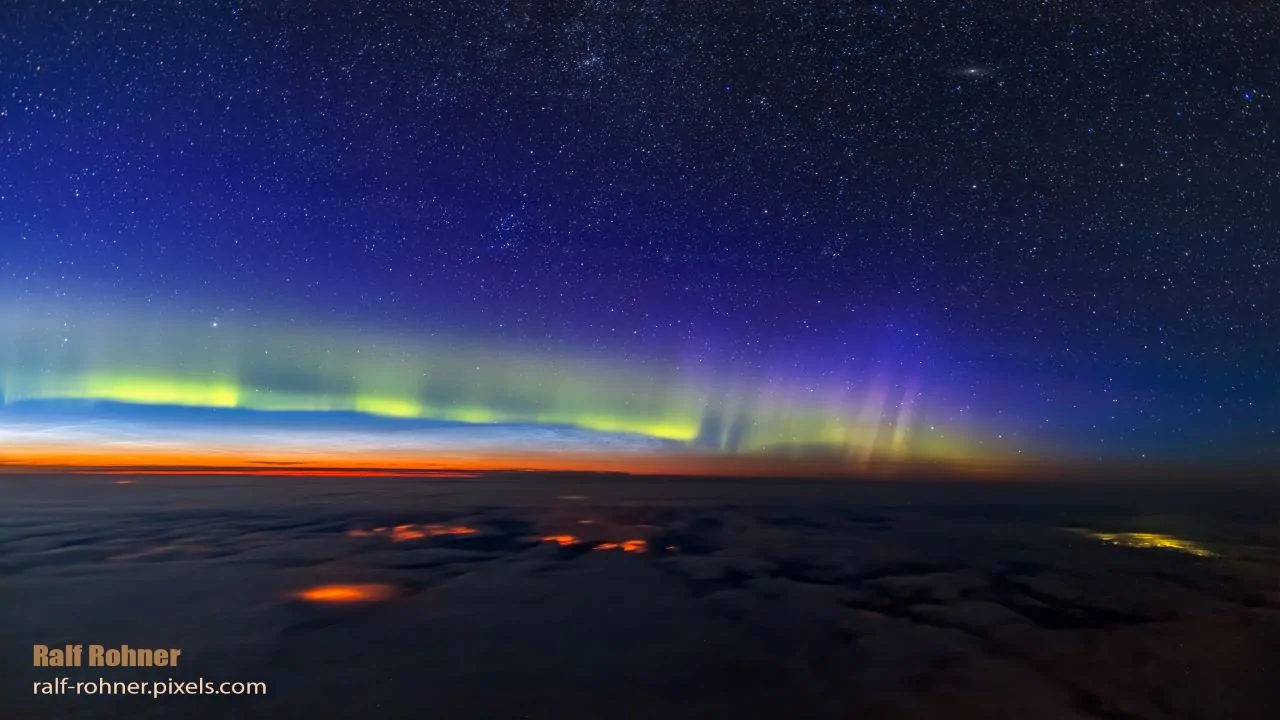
x: 1048, y: 228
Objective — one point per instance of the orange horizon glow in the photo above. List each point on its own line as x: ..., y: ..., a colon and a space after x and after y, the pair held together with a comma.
x: 96, y: 460
x: 255, y: 471
x: 268, y: 462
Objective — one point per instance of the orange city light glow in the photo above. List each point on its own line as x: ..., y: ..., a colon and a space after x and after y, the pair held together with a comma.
x: 631, y: 546
x: 562, y: 540
x: 402, y: 533
x: 346, y: 594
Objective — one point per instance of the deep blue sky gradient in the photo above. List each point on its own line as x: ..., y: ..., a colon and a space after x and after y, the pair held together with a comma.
x: 1066, y: 214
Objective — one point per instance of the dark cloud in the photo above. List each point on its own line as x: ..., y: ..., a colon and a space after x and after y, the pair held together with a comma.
x: 753, y: 599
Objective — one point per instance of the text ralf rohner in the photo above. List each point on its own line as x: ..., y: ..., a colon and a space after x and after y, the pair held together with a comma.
x: 103, y: 656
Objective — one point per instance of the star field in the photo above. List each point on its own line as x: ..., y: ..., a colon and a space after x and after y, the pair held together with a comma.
x: 1062, y: 213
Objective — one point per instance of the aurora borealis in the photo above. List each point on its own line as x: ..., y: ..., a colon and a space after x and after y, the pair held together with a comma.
x: 479, y: 400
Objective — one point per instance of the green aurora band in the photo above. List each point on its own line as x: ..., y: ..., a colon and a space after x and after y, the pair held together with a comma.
x: 47, y: 354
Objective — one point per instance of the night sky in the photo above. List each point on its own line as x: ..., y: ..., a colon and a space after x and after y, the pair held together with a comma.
x: 1052, y: 228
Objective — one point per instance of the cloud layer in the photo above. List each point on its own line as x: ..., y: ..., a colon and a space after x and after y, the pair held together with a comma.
x: 515, y: 596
